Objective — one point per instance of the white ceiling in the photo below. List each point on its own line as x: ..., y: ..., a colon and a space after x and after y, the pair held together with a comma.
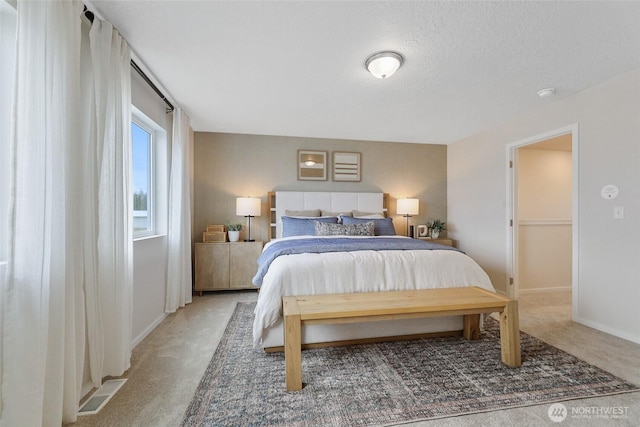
x: 296, y: 68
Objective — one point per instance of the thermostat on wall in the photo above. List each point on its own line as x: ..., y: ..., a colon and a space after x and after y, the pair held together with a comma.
x: 609, y: 192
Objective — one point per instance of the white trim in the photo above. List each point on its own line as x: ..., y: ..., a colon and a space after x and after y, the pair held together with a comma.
x: 511, y: 215
x: 137, y: 340
x: 512, y: 207
x: 148, y: 237
x: 606, y: 328
x: 537, y: 290
x: 528, y: 222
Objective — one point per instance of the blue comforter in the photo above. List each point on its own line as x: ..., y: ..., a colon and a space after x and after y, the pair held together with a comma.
x: 338, y: 244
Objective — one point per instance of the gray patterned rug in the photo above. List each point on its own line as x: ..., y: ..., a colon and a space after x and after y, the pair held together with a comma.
x: 385, y: 383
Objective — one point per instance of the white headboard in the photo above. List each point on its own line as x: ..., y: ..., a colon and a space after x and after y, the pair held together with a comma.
x: 326, y: 201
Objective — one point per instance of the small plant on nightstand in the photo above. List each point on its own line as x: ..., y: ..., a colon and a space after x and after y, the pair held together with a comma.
x: 436, y: 227
x: 234, y: 231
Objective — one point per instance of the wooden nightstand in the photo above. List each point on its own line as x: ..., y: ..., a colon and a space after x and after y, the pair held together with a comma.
x: 225, y: 266
x: 440, y: 241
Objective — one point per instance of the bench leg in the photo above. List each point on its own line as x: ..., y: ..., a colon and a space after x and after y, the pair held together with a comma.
x: 471, y: 326
x: 510, y: 335
x: 293, y: 352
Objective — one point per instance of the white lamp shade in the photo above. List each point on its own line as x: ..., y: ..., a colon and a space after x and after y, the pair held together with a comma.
x: 248, y: 206
x: 384, y: 64
x: 408, y: 206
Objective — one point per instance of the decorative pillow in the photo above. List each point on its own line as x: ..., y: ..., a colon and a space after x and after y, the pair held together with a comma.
x: 326, y: 229
x: 368, y: 215
x: 311, y: 213
x: 302, y: 226
x: 383, y: 227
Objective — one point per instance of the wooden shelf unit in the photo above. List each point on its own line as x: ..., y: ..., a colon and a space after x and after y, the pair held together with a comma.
x: 225, y: 266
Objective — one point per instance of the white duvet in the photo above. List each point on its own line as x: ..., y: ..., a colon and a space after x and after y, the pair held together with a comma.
x: 361, y: 271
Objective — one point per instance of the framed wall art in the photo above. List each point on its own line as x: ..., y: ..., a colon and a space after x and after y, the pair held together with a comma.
x: 312, y: 165
x: 346, y: 166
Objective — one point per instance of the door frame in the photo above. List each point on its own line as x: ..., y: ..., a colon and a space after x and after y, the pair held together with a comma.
x: 512, y: 208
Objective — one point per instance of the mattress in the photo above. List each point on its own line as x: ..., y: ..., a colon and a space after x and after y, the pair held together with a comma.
x: 363, y: 270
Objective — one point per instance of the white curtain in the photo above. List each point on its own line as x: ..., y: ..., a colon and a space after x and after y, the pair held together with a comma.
x: 179, y: 237
x: 42, y: 322
x: 70, y: 226
x: 109, y: 313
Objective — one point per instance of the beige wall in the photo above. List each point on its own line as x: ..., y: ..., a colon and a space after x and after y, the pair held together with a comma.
x: 605, y: 289
x: 544, y: 219
x: 227, y: 166
x: 544, y: 184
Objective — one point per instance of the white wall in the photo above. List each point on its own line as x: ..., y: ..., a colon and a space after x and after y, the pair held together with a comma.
x: 606, y: 289
x: 544, y: 219
x: 150, y: 254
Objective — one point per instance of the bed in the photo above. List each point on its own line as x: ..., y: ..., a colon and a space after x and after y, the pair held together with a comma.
x: 336, y: 242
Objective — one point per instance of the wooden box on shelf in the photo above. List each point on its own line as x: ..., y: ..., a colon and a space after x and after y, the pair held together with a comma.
x: 225, y: 266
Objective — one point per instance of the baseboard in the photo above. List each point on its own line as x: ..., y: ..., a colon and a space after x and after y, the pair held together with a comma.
x: 536, y: 290
x: 137, y: 340
x: 608, y: 330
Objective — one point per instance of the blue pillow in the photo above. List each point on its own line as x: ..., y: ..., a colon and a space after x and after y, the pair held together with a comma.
x: 303, y: 226
x: 383, y: 227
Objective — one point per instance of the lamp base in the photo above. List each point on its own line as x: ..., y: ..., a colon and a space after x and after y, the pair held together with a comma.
x: 249, y: 240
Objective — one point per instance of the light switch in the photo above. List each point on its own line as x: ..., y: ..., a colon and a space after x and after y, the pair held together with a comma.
x: 618, y: 212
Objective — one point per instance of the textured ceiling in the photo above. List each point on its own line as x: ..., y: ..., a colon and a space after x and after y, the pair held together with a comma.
x: 296, y: 68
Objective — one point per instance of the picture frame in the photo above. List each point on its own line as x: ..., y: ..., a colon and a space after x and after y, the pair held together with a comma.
x: 312, y: 165
x: 347, y: 166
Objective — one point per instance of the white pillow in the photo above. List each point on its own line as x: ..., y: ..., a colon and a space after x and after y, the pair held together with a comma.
x: 368, y: 215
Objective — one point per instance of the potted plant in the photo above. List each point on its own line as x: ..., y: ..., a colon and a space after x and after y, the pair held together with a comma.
x: 436, y: 227
x: 234, y: 231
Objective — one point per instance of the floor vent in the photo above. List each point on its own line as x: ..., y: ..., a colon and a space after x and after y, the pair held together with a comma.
x: 101, y: 396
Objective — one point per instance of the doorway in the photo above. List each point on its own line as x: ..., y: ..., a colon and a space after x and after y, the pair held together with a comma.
x: 542, y: 213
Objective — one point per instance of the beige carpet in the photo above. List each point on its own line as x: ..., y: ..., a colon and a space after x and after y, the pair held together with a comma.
x: 168, y: 365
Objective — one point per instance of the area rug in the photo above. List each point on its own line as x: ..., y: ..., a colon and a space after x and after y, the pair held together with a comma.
x: 385, y: 383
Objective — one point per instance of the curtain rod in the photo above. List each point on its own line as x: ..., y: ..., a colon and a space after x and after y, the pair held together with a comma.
x: 90, y: 16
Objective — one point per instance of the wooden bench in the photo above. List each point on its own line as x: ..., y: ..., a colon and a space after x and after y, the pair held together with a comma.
x: 469, y: 302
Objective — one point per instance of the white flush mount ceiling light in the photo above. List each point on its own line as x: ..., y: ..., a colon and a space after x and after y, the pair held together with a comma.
x: 543, y: 93
x: 384, y: 64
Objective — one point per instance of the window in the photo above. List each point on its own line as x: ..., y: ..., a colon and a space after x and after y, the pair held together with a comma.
x: 142, y: 147
x: 148, y: 159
